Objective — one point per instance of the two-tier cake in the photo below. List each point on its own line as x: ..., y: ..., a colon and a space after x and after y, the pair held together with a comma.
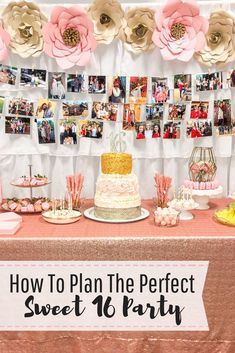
x: 117, y: 188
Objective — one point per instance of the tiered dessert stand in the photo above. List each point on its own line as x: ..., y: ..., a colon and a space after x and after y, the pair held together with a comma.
x: 30, y: 187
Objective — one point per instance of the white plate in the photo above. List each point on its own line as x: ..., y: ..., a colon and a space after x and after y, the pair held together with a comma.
x: 89, y: 213
x: 60, y: 220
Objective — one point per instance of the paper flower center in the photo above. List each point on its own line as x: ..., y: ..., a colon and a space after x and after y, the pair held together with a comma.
x: 104, y: 19
x: 71, y: 37
x: 178, y: 30
x: 215, y: 37
x: 26, y: 31
x: 140, y: 30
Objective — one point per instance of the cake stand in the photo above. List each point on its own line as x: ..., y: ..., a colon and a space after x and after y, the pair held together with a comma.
x: 184, y: 215
x: 90, y: 213
x: 202, y: 197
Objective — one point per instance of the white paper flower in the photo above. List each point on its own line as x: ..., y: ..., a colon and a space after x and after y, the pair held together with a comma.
x: 24, y: 21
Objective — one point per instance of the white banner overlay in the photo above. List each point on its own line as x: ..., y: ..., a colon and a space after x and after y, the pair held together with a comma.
x: 102, y: 296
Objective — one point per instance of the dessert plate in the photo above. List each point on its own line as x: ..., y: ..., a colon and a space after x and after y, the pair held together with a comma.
x: 89, y: 213
x: 49, y: 216
x: 29, y: 186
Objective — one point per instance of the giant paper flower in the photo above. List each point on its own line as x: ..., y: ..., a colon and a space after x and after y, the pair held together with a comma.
x: 108, y: 19
x: 23, y: 21
x: 220, y: 40
x: 69, y: 37
x: 137, y: 34
x: 180, y: 30
x: 4, y: 43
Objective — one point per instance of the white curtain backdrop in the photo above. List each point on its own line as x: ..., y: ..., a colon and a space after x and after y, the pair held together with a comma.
x: 163, y: 156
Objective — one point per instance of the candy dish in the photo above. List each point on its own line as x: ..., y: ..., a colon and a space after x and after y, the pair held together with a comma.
x: 61, y: 216
x: 226, y: 216
x: 166, y: 217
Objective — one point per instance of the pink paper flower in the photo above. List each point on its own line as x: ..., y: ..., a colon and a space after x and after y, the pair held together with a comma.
x: 180, y: 30
x: 4, y: 43
x: 69, y: 37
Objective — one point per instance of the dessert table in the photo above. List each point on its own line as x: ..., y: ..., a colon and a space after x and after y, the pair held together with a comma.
x: 199, y: 239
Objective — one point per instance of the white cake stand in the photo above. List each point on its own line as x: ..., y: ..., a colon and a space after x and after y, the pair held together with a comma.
x: 202, y: 197
x: 184, y: 215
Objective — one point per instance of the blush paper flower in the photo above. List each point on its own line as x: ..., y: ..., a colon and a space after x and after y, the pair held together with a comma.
x: 23, y: 21
x: 4, y: 43
x: 108, y: 19
x: 220, y: 40
x: 180, y: 30
x: 69, y: 37
x: 138, y: 32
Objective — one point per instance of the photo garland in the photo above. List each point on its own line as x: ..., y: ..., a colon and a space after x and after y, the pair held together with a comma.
x: 151, y: 109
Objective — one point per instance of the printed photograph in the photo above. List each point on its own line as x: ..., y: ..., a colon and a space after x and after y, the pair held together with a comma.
x: 199, y: 128
x: 75, y: 108
x: 91, y: 129
x: 182, y: 88
x: 138, y: 89
x: 230, y: 78
x: 8, y: 74
x: 225, y: 130
x: 68, y: 131
x: 148, y: 130
x: 154, y: 111
x: 172, y: 130
x: 97, y: 84
x: 199, y: 110
x: 46, y: 109
x: 131, y: 115
x: 104, y: 111
x: 56, y: 85
x: 222, y: 112
x: 209, y: 82
x: 160, y: 90
x: 21, y: 106
x: 76, y: 83
x: 17, y: 126
x: 2, y: 101
x: 33, y: 78
x: 176, y: 111
x: 46, y: 130
x: 117, y: 89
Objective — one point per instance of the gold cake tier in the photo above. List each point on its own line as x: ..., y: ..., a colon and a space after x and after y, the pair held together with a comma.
x: 116, y: 163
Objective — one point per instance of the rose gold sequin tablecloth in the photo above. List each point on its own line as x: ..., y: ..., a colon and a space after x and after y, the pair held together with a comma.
x: 200, y: 239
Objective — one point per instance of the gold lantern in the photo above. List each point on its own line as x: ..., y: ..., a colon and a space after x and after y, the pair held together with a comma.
x: 202, y: 164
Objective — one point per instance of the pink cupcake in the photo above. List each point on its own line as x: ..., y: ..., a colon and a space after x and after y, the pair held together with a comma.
x: 196, y: 185
x: 24, y: 208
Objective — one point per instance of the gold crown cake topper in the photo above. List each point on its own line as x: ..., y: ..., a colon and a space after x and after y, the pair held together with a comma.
x: 117, y: 144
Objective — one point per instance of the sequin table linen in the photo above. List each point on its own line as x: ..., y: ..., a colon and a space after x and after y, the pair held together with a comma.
x: 200, y: 239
